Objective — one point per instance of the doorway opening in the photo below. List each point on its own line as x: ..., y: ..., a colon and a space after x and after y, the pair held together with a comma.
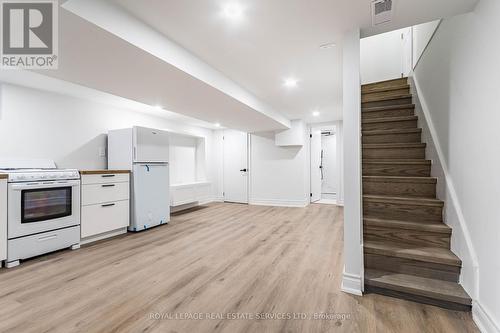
x: 324, y: 165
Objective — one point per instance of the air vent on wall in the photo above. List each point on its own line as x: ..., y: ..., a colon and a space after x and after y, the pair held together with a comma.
x: 381, y: 11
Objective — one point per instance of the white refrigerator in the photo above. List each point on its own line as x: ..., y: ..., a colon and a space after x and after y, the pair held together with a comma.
x: 144, y: 151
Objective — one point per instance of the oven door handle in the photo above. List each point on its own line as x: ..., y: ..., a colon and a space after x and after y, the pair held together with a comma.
x: 29, y: 186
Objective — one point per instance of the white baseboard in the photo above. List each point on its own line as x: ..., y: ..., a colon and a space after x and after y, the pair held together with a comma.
x: 483, y: 320
x: 279, y: 203
x: 105, y: 235
x: 216, y: 199
x: 352, y: 284
x: 210, y: 200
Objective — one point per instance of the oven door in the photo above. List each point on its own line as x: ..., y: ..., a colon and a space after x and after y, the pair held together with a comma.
x: 42, y: 206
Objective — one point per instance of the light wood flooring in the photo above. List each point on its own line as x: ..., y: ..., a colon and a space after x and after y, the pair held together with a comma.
x: 219, y: 260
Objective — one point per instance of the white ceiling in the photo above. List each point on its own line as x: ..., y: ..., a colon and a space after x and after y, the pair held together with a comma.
x: 276, y: 39
x: 280, y: 38
x: 96, y: 58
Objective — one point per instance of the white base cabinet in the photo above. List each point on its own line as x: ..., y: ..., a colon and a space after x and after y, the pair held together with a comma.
x: 3, y: 220
x: 105, y: 205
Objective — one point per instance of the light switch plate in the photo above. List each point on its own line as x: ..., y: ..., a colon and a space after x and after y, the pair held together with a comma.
x: 102, y: 151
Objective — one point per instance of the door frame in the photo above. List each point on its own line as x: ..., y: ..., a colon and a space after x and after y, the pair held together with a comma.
x: 337, y: 127
x: 406, y: 51
x: 311, y: 130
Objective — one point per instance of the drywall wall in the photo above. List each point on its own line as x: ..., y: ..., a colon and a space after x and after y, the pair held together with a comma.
x: 352, y: 280
x: 340, y: 162
x: 278, y: 175
x: 293, y: 136
x: 422, y: 34
x: 381, y: 57
x: 185, y: 164
x: 457, y: 76
x: 460, y: 244
x: 71, y: 131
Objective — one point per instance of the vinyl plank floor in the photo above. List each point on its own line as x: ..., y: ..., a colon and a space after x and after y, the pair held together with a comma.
x: 216, y: 268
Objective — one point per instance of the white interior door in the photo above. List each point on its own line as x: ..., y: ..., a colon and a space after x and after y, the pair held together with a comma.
x: 315, y: 165
x: 235, y: 166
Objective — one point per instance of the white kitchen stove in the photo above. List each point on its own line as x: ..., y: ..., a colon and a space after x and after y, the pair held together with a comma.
x: 43, y: 208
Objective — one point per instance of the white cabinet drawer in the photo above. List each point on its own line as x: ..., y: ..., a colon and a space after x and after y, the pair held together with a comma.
x: 34, y: 245
x: 105, y: 178
x: 101, y: 218
x: 101, y: 193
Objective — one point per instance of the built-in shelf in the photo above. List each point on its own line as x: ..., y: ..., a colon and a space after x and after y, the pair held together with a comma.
x: 187, y: 193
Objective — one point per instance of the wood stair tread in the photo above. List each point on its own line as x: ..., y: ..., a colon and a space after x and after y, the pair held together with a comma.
x: 389, y: 119
x: 426, y: 287
x: 394, y: 145
x: 401, y: 179
x: 392, y: 131
x: 407, y: 225
x: 408, y: 200
x: 432, y: 254
x: 371, y: 84
x: 385, y: 89
x: 390, y: 98
x: 397, y: 161
x: 389, y: 107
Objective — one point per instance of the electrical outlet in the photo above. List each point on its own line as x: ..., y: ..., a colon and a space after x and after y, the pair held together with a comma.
x: 102, y: 151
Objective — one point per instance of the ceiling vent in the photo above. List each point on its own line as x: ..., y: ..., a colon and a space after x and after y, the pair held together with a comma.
x: 381, y: 11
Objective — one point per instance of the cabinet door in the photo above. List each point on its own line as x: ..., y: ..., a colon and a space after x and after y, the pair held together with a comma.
x: 150, y: 145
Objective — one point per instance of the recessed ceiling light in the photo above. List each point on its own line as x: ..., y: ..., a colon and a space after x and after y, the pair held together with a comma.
x: 233, y: 11
x: 327, y: 46
x: 158, y: 107
x: 217, y: 124
x: 316, y: 113
x: 291, y: 82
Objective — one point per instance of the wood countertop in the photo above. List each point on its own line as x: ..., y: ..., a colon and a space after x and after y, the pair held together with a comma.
x: 102, y: 172
x: 4, y: 176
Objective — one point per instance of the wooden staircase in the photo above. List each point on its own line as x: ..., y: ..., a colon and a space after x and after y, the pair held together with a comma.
x: 406, y: 244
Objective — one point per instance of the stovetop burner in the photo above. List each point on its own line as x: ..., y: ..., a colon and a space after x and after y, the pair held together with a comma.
x: 36, y: 170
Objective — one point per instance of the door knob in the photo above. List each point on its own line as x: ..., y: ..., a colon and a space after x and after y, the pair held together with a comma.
x: 243, y: 170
